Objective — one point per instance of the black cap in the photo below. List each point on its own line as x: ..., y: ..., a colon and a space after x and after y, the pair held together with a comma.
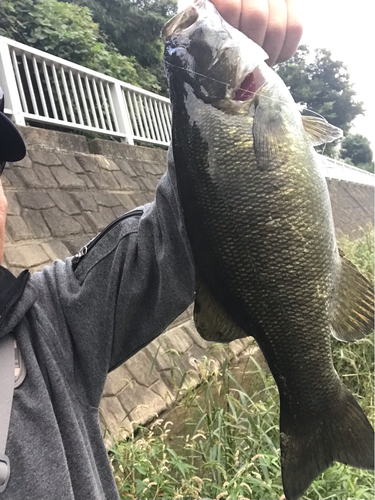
x: 12, y: 147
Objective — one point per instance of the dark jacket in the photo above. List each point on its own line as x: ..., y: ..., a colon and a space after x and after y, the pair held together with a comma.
x: 74, y: 322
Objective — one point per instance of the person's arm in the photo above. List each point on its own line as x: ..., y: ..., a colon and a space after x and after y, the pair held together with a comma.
x: 132, y: 283
x: 275, y: 25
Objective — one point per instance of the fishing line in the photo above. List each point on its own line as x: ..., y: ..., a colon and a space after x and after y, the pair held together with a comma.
x: 245, y: 90
x: 219, y: 81
x: 196, y: 73
x: 315, y: 113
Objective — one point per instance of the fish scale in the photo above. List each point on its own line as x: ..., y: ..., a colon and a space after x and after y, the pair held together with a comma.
x: 258, y: 216
x: 242, y: 243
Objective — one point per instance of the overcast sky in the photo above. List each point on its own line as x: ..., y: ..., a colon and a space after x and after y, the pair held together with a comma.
x: 347, y: 28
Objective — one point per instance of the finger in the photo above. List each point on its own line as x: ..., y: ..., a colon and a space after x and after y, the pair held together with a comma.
x: 230, y: 10
x: 276, y: 29
x: 254, y: 19
x: 294, y: 30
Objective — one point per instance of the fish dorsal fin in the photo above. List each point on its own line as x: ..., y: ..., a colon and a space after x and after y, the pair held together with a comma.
x: 353, y: 315
x: 320, y: 131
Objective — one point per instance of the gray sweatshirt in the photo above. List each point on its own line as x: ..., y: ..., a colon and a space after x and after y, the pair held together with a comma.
x: 74, y: 324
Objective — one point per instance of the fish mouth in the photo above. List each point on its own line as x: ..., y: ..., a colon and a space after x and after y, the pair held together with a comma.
x: 249, y: 86
x: 179, y: 23
x: 199, y: 41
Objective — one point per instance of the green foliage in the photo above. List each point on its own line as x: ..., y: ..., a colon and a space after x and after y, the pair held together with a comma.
x: 68, y: 31
x: 369, y: 167
x: 361, y: 253
x: 13, y: 18
x: 223, y: 456
x: 357, y: 148
x: 148, y: 467
x: 133, y: 27
x: 232, y: 449
x: 324, y: 85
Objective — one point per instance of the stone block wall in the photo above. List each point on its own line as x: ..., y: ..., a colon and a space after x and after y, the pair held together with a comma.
x: 63, y: 193
x: 60, y: 196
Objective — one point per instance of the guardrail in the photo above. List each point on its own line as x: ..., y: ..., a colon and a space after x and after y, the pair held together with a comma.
x: 336, y: 169
x: 47, y: 89
x: 43, y: 88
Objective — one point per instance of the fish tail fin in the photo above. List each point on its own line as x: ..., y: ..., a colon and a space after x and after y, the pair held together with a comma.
x: 340, y: 434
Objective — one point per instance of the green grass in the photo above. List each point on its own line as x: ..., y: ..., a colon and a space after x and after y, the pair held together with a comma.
x: 231, y: 448
x: 361, y: 253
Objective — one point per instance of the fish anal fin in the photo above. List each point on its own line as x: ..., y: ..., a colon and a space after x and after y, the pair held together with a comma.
x: 353, y: 313
x: 211, y: 321
x: 340, y: 434
x: 320, y: 131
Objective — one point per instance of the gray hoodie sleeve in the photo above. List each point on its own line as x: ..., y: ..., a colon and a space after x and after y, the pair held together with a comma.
x: 133, y: 282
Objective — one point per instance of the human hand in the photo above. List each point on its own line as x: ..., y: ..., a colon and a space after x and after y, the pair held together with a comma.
x: 3, y: 215
x: 275, y: 25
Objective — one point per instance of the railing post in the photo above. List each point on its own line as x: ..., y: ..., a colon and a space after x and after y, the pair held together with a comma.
x: 121, y: 110
x: 9, y: 85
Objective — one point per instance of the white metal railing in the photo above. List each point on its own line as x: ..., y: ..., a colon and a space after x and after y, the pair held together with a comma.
x: 336, y: 169
x: 43, y: 88
x: 150, y: 117
x: 40, y: 87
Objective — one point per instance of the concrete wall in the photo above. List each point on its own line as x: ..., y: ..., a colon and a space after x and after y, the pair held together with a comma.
x: 352, y: 207
x: 63, y: 193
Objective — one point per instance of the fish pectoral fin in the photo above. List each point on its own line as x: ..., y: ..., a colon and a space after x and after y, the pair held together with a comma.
x: 308, y: 447
x: 353, y: 315
x: 269, y: 136
x: 320, y: 131
x: 211, y: 321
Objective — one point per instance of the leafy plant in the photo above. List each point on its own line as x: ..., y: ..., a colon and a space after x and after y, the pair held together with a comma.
x: 68, y: 31
x: 361, y: 253
x: 357, y: 149
x: 133, y: 27
x: 322, y: 83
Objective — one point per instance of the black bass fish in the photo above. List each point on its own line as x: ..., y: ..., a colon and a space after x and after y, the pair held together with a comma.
x: 258, y: 216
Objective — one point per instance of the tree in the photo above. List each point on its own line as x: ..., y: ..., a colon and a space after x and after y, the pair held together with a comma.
x: 68, y: 31
x: 324, y: 85
x: 356, y: 149
x: 133, y: 27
